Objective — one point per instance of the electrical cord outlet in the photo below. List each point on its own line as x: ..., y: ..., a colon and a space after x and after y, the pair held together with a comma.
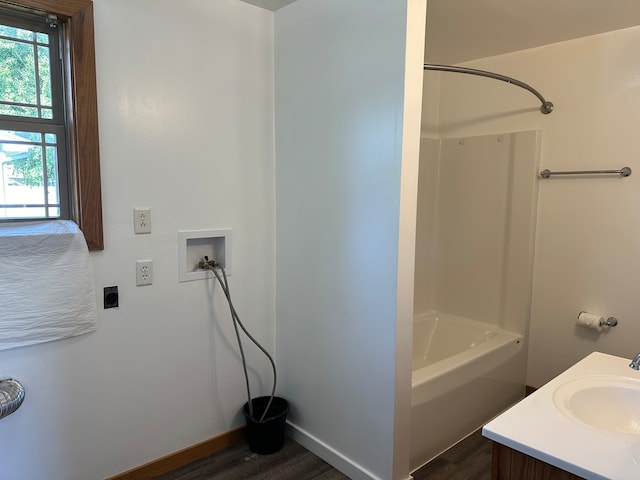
x: 144, y: 272
x: 141, y: 220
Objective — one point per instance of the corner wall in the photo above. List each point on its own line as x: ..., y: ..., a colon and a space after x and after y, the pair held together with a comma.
x: 185, y: 97
x: 339, y: 132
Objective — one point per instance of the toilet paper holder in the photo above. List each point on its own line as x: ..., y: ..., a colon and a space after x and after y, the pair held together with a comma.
x: 608, y: 322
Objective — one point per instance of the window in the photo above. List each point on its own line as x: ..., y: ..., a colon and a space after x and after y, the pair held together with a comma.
x: 38, y: 126
x: 33, y: 162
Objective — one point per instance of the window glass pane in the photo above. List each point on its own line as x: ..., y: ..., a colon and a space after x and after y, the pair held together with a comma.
x: 52, y: 176
x: 53, y: 195
x: 11, y: 137
x: 20, y: 201
x: 44, y: 71
x: 52, y: 166
x: 19, y: 111
x: 22, y: 190
x: 42, y: 38
x: 24, y: 212
x: 28, y: 168
x: 23, y: 162
x: 18, y: 73
x: 17, y: 33
x: 46, y: 113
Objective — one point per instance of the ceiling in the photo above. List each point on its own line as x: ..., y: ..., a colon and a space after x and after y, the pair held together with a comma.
x: 269, y: 4
x: 460, y: 30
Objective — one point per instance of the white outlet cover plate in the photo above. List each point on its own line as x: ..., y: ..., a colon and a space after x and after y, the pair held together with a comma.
x: 142, y: 220
x: 144, y: 272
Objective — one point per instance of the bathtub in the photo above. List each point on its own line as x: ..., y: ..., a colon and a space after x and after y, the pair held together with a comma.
x: 464, y: 373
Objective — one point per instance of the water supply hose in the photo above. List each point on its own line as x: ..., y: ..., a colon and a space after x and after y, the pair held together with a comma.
x: 11, y: 396
x: 224, y: 283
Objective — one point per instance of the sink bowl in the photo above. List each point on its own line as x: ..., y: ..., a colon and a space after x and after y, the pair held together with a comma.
x: 606, y: 402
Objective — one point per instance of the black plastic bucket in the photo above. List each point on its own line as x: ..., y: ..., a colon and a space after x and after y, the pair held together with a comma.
x: 267, y: 436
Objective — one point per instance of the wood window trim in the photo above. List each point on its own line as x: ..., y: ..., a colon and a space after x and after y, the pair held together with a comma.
x: 82, y: 110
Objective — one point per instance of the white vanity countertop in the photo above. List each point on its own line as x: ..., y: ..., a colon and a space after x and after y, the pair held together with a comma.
x: 536, y: 427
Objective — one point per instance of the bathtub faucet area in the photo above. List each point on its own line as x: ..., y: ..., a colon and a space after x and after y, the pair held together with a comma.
x: 635, y: 363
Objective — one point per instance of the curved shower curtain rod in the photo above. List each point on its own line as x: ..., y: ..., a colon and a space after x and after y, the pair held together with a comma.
x: 546, y: 107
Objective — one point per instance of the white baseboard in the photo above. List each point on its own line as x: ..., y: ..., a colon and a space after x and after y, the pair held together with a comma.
x: 351, y: 469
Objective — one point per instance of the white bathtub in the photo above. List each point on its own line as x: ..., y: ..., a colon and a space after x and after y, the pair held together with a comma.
x: 464, y: 373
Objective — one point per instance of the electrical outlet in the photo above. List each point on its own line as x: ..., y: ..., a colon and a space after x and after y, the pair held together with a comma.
x: 144, y: 272
x: 142, y: 220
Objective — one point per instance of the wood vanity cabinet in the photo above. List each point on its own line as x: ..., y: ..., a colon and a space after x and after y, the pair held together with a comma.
x: 510, y: 464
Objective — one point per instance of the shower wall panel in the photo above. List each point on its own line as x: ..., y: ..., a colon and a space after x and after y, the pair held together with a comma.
x: 476, y: 218
x: 424, y: 300
x: 472, y: 225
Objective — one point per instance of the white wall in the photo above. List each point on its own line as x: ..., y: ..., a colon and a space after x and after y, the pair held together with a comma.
x: 186, y: 127
x: 339, y: 139
x: 587, y: 255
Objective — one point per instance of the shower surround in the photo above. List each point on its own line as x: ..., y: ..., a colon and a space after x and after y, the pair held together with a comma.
x: 474, y: 250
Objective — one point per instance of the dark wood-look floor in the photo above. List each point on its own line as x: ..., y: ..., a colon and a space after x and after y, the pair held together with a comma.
x: 468, y: 460
x: 239, y: 462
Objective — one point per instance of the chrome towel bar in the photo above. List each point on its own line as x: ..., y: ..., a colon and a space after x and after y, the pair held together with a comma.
x: 623, y: 172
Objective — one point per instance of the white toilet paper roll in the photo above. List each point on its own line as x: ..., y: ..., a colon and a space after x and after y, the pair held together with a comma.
x: 590, y: 320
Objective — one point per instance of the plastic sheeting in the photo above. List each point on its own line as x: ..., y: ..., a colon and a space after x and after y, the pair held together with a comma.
x: 46, y: 283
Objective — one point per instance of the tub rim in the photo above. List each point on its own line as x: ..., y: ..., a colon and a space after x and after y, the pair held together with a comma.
x: 474, y: 362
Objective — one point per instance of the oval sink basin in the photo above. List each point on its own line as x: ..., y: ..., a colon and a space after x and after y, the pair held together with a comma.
x: 607, y: 402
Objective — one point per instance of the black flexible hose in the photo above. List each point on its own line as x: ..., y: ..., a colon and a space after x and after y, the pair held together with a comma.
x: 224, y: 283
